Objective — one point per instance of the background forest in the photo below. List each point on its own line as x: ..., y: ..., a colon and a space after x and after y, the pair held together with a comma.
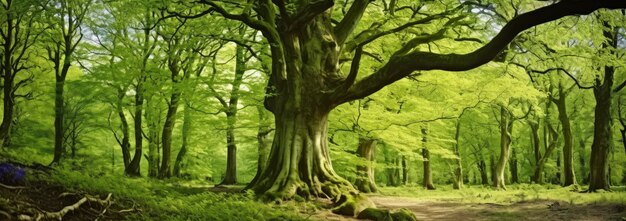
x: 149, y: 95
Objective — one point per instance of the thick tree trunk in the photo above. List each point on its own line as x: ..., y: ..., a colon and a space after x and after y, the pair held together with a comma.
x: 305, y: 67
x: 180, y: 158
x: 602, y: 134
x: 458, y: 171
x: 365, y: 171
x: 165, y: 171
x: 299, y: 161
x: 59, y: 149
x: 506, y: 127
x: 599, y: 164
x: 134, y: 169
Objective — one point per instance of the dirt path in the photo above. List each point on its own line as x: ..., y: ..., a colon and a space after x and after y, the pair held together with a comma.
x: 529, y: 210
x: 426, y: 210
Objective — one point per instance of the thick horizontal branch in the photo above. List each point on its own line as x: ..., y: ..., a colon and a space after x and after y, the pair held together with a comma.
x: 401, y: 66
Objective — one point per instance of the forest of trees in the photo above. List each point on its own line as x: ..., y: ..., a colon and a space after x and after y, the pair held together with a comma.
x: 319, y: 98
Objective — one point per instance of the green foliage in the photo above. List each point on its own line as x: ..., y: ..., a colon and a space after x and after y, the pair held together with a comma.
x: 179, y: 201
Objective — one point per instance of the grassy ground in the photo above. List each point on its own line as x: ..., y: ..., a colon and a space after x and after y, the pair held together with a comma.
x: 151, y: 199
x: 513, y: 194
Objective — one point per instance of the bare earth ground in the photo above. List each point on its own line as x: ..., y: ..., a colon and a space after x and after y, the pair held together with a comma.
x: 526, y: 210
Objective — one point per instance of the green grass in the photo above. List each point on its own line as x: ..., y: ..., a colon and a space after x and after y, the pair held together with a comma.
x: 160, y: 200
x: 514, y: 193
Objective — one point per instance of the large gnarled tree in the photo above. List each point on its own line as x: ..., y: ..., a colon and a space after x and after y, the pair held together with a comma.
x: 306, y: 82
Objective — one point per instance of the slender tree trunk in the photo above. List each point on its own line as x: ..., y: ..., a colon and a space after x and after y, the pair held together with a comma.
x: 458, y: 171
x: 396, y: 173
x: 534, y: 134
x: 230, y: 177
x: 125, y: 142
x: 492, y: 168
x: 513, y: 166
x: 134, y: 169
x: 506, y: 128
x: 9, y: 106
x: 551, y: 139
x: 428, y: 177
x: 557, y: 175
x: 365, y: 172
x: 582, y: 160
x: 153, y: 137
x: 179, y: 163
x: 482, y: 167
x: 59, y: 149
x: 166, y: 137
x: 568, y: 155
x: 602, y: 136
x: 263, y: 145
x: 392, y: 176
x: 405, y: 171
x: 8, y: 78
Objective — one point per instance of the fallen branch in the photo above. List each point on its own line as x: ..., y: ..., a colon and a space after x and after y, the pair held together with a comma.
x: 12, y: 187
x: 59, y: 215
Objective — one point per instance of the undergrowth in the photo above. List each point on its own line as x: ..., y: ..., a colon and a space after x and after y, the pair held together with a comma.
x: 160, y: 200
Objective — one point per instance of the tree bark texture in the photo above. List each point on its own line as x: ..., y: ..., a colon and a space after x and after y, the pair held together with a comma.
x: 230, y: 177
x: 365, y: 181
x: 506, y: 128
x: 427, y: 176
x: 458, y: 170
x: 602, y: 134
x: 568, y: 153
x: 180, y: 157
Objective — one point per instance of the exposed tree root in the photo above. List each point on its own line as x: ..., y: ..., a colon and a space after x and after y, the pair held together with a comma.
x: 386, y: 215
x: 59, y: 214
x: 351, y: 204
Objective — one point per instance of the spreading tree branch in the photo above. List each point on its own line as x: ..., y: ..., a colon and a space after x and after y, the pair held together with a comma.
x: 350, y: 20
x: 401, y: 66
